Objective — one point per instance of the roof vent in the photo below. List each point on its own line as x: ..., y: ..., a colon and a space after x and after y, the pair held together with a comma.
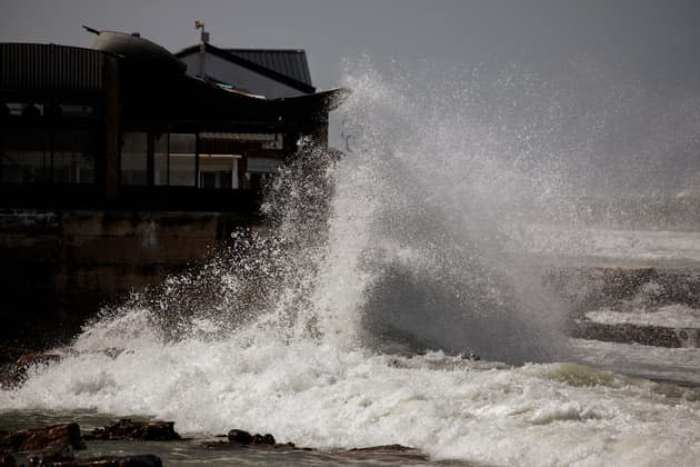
x: 136, y: 34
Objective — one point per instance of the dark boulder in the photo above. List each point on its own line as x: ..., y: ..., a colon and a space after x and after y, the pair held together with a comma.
x: 245, y: 438
x: 266, y: 439
x: 14, y: 374
x: 240, y: 437
x: 53, y: 446
x: 389, y: 452
x: 126, y: 429
x: 146, y: 460
x: 54, y: 438
x: 40, y: 446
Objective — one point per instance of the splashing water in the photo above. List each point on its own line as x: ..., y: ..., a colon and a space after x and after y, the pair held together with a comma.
x: 341, y: 325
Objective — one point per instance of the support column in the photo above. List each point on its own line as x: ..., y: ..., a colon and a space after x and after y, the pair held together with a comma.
x: 110, y: 83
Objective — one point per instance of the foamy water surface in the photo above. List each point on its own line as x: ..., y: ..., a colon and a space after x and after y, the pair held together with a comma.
x: 321, y: 396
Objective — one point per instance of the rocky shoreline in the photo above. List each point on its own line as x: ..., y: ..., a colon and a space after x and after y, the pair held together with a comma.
x: 59, y: 445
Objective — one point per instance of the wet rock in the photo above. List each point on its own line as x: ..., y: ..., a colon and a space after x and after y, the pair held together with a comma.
x: 126, y: 429
x: 267, y: 439
x: 472, y: 356
x: 384, y: 448
x: 240, y: 436
x: 36, y: 358
x: 389, y: 452
x: 53, y: 439
x: 53, y: 446
x: 15, y: 374
x: 645, y: 335
x: 47, y: 457
x: 245, y: 438
x: 147, y: 460
x: 385, y: 453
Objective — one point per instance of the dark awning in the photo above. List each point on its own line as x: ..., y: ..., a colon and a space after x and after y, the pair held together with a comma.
x: 186, y: 98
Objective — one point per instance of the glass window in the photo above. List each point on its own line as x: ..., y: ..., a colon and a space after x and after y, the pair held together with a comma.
x: 134, y: 160
x: 218, y: 171
x: 74, y: 157
x: 25, y: 155
x: 32, y: 111
x: 76, y: 110
x: 218, y: 161
x: 160, y: 159
x: 183, y: 157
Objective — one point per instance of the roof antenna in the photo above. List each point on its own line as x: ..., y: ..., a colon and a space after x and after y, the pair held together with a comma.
x: 92, y: 30
x: 204, y: 40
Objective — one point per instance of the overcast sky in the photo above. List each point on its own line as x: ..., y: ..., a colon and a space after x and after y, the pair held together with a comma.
x: 652, y: 40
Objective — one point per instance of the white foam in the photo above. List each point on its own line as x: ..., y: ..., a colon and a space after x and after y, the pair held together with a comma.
x: 317, y: 395
x: 668, y: 316
x: 644, y: 245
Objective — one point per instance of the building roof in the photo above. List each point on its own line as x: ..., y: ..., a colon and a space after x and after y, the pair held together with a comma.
x: 51, y: 67
x: 289, y: 62
x: 286, y: 66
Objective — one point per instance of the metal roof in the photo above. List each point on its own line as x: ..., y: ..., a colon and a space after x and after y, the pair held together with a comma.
x: 289, y: 62
x: 50, y: 66
x: 290, y: 66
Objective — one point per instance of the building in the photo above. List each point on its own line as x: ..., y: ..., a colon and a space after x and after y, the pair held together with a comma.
x: 129, y: 125
x: 122, y: 163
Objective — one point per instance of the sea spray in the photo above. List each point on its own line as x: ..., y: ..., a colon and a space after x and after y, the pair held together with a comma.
x: 341, y: 325
x: 445, y: 192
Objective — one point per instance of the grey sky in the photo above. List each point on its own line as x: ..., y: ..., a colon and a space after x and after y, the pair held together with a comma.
x: 651, y: 40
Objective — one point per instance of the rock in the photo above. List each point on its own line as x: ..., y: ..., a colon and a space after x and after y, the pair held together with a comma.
x: 14, y: 375
x: 36, y: 358
x: 146, y: 460
x: 240, y: 436
x: 56, y: 438
x: 645, y: 335
x: 266, y: 439
x: 48, y: 457
x: 383, y: 448
x: 53, y: 446
x: 389, y: 452
x: 245, y: 438
x: 125, y: 429
x: 472, y: 356
x: 42, y: 446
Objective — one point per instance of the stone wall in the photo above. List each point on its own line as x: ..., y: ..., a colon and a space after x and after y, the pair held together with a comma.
x: 59, y: 267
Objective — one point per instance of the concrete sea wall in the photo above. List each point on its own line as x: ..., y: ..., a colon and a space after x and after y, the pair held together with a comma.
x: 59, y: 267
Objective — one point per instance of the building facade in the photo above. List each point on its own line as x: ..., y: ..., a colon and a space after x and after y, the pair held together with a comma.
x: 113, y: 128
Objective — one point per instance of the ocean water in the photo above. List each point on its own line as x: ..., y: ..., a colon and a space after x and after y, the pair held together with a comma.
x: 350, y: 323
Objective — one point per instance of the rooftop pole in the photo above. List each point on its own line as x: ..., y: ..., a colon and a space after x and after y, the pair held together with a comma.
x: 204, y: 40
